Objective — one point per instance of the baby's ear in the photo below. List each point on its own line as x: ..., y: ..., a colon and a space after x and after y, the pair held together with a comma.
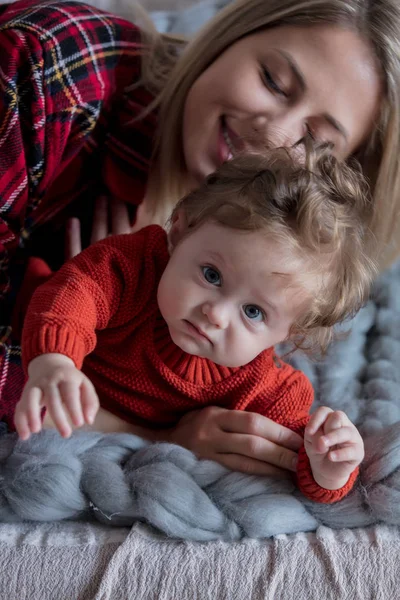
x: 177, y: 229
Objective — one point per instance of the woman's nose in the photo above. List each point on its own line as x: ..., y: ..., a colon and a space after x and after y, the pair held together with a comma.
x: 217, y: 314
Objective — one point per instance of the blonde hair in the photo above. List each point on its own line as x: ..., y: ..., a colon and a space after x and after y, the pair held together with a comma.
x: 316, y: 212
x: 170, y: 74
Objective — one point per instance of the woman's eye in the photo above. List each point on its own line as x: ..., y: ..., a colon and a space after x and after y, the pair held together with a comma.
x: 212, y: 276
x: 271, y: 83
x: 253, y: 312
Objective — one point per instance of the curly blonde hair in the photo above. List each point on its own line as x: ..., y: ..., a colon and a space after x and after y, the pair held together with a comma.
x: 317, y: 211
x: 170, y: 69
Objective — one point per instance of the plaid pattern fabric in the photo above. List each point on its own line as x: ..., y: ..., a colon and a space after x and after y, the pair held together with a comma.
x: 66, y: 134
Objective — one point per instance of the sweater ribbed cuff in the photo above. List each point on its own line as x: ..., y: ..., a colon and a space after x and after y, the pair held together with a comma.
x: 310, y: 488
x: 51, y: 338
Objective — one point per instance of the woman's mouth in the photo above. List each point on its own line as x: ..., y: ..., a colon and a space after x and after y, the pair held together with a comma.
x: 228, y: 140
x: 226, y: 148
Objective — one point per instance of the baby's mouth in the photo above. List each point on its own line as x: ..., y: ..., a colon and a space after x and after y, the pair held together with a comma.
x: 199, y: 331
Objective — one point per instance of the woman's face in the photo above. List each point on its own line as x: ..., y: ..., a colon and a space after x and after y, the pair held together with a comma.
x: 278, y: 85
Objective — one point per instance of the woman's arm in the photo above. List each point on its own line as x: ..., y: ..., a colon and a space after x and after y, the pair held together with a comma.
x: 107, y: 422
x: 55, y: 87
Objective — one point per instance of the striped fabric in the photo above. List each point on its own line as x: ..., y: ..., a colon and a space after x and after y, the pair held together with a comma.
x: 66, y: 135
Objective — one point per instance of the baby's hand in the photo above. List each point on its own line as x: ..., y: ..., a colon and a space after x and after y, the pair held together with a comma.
x: 334, y: 446
x: 55, y: 383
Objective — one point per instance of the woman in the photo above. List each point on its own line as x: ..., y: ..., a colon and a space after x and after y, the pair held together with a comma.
x: 90, y: 108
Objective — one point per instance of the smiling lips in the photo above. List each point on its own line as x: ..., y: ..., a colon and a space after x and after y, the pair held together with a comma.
x: 229, y: 142
x: 198, y: 332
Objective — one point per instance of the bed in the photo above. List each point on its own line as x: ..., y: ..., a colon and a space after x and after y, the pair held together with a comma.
x: 91, y: 561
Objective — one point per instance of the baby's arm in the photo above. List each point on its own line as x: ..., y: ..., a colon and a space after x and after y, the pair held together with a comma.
x: 321, y: 475
x: 334, y: 447
x: 318, y: 476
x: 61, y: 329
x: 56, y: 384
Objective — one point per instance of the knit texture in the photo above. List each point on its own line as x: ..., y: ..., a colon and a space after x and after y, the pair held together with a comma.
x: 118, y: 479
x: 101, y: 311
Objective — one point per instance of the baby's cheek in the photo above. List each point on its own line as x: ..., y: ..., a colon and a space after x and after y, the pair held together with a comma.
x: 165, y: 298
x: 174, y: 298
x: 188, y: 294
x: 242, y: 349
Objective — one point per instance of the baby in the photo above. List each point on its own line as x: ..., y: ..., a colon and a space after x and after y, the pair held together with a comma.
x: 153, y: 325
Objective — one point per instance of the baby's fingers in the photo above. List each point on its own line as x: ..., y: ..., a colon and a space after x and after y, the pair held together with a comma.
x: 90, y: 401
x: 71, y: 396
x: 27, y: 413
x: 22, y: 425
x: 317, y: 420
x: 352, y: 454
x: 34, y: 410
x: 336, y: 420
x: 55, y: 407
x: 340, y: 436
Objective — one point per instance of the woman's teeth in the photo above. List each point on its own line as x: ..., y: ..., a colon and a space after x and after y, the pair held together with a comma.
x: 228, y: 143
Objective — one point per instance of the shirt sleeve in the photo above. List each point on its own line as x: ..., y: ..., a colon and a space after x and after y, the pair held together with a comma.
x: 294, y: 399
x: 62, y: 65
x: 84, y: 296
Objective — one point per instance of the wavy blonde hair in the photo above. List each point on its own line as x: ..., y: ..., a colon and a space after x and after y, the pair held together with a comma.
x: 170, y: 73
x: 316, y: 212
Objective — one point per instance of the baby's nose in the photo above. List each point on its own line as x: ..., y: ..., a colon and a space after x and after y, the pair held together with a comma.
x: 216, y: 314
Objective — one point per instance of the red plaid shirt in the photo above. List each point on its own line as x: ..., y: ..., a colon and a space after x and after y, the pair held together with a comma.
x: 66, y: 135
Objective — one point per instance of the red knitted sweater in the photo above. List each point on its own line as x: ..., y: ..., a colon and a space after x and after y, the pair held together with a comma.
x: 101, y: 310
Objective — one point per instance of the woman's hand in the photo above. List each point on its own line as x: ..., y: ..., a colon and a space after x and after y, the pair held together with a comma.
x: 119, y: 219
x: 111, y: 217
x: 242, y: 441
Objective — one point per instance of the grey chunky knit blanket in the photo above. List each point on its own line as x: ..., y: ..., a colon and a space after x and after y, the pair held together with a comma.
x: 119, y: 479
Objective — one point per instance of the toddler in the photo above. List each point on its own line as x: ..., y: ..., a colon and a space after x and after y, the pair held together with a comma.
x: 152, y: 325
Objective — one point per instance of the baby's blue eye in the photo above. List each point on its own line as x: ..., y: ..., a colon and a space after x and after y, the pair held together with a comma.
x: 211, y: 275
x: 253, y: 312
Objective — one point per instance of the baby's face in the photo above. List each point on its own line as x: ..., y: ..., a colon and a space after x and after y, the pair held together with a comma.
x: 227, y: 295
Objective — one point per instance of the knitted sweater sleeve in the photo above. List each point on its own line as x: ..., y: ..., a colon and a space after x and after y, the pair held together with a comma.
x: 302, y: 395
x: 84, y: 296
x: 291, y: 408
